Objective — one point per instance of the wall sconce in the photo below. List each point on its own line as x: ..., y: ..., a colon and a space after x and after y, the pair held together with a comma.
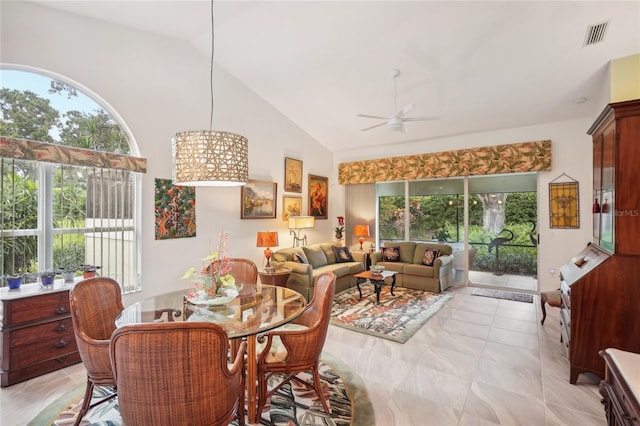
x: 298, y: 223
x: 361, y: 231
x: 268, y: 240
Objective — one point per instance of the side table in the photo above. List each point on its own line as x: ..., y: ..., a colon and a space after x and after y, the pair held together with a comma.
x: 279, y: 277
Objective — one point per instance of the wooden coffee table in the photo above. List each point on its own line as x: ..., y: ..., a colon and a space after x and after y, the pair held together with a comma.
x: 377, y: 280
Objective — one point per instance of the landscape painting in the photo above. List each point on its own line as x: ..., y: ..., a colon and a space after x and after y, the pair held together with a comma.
x: 258, y: 200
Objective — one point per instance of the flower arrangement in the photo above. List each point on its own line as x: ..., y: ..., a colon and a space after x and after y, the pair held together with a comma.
x: 340, y: 227
x: 215, y: 274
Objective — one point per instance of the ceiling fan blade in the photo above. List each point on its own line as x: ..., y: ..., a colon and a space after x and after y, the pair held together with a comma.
x: 372, y: 116
x: 420, y: 118
x: 373, y: 127
x: 405, y: 110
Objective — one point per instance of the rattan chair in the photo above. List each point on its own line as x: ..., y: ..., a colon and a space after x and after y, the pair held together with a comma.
x: 176, y: 373
x: 95, y: 304
x: 243, y: 270
x: 302, y: 347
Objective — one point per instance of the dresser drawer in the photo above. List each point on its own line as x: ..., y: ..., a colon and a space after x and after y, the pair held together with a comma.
x: 8, y: 378
x: 29, y: 335
x: 45, y: 348
x: 41, y: 307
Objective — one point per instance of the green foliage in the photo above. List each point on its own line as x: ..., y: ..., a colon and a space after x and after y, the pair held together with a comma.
x: 19, y: 212
x: 26, y: 115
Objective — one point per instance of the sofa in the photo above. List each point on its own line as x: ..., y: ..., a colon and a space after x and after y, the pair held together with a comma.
x: 416, y: 268
x: 307, y: 262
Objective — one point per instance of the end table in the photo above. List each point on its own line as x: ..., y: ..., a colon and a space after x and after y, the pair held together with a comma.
x: 278, y: 277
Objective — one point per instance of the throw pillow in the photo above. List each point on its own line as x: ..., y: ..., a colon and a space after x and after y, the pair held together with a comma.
x: 315, y: 255
x: 342, y: 254
x: 299, y: 258
x: 391, y: 254
x: 430, y: 256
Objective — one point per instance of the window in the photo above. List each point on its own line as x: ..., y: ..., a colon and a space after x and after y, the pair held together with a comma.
x: 69, y: 189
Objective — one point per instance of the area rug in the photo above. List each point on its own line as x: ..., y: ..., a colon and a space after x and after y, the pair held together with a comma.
x: 507, y: 295
x: 395, y: 318
x: 349, y: 403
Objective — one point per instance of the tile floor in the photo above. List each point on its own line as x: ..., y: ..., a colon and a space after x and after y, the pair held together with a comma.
x: 478, y: 361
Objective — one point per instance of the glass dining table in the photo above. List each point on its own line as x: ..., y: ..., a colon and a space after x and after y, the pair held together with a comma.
x: 251, y: 310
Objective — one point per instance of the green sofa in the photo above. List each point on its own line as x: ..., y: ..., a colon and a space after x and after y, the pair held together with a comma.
x: 412, y: 273
x: 318, y: 258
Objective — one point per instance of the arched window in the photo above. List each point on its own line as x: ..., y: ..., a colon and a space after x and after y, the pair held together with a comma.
x: 70, y: 186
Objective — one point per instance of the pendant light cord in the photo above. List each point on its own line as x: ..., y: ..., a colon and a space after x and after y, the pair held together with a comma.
x: 211, y: 70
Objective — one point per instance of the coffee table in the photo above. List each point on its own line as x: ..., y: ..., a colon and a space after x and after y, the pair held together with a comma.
x: 377, y: 280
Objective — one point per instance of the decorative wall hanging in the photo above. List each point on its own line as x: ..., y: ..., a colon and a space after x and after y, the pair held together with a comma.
x: 292, y: 175
x: 564, y: 211
x: 291, y: 206
x: 175, y: 210
x: 318, y: 196
x: 258, y: 200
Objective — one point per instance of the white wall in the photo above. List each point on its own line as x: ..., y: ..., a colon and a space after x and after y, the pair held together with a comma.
x: 158, y: 87
x: 571, y: 154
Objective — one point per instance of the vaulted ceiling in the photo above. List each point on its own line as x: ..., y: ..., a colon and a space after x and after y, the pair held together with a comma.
x: 476, y: 65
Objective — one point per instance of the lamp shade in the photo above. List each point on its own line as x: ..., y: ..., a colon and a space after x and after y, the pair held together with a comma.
x: 299, y: 222
x: 210, y: 158
x: 267, y: 239
x: 361, y: 231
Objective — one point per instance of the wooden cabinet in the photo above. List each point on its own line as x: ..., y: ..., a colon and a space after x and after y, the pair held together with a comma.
x: 620, y: 389
x: 37, y: 333
x: 600, y: 289
x: 616, y: 153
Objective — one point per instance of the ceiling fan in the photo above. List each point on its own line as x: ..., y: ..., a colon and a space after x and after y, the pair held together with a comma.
x: 395, y: 122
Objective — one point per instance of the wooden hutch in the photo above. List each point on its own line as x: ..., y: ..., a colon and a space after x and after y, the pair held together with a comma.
x: 601, y: 285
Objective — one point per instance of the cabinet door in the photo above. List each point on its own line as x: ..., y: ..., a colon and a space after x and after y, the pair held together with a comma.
x: 607, y: 189
x: 597, y: 186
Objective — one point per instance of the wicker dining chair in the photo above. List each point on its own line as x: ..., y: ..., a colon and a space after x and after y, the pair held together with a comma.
x: 95, y: 304
x: 176, y: 373
x: 301, y: 347
x: 243, y: 270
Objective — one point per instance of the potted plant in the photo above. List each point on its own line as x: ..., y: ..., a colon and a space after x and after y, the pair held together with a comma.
x: 88, y: 271
x: 14, y: 281
x: 48, y: 277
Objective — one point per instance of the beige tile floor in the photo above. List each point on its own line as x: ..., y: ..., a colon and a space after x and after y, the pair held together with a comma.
x: 478, y: 361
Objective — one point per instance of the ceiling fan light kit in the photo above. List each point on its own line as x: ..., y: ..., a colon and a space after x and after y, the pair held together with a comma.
x: 395, y: 122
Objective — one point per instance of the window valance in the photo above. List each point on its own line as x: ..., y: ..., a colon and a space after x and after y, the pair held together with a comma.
x: 21, y: 149
x: 511, y: 158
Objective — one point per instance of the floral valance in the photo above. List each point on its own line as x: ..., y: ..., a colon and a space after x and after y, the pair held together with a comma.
x: 21, y: 149
x: 512, y: 158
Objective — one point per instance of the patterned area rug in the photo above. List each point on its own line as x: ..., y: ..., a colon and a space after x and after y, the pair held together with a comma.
x: 348, y: 402
x: 507, y: 295
x: 396, y: 318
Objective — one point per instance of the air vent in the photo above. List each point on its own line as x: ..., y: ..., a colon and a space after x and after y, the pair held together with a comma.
x: 596, y: 33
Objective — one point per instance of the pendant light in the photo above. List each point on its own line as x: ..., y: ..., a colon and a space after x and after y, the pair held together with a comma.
x: 210, y: 157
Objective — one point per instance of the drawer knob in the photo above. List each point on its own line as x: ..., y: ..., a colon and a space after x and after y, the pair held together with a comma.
x: 61, y: 343
x: 61, y: 327
x: 61, y: 309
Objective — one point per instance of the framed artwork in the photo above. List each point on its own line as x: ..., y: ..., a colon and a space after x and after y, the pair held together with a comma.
x: 563, y: 203
x: 292, y: 175
x: 258, y: 200
x: 291, y: 206
x: 318, y: 196
x: 175, y: 210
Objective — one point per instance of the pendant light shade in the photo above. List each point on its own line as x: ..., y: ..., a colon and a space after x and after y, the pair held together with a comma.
x: 210, y: 158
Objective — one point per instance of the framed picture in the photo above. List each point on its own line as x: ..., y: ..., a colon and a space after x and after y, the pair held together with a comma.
x: 258, y: 200
x: 318, y: 196
x: 291, y: 206
x: 292, y: 175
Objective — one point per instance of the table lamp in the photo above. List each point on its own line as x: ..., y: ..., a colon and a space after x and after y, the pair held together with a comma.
x: 268, y: 240
x: 361, y: 231
x: 298, y: 223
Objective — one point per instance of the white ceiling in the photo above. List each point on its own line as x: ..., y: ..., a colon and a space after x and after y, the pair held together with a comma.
x: 477, y: 65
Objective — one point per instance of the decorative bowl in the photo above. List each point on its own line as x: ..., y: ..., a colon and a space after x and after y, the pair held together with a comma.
x: 376, y: 269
